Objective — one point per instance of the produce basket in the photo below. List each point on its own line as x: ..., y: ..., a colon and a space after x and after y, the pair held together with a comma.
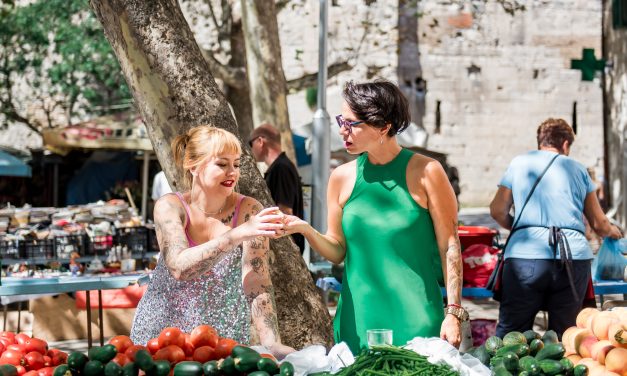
x: 136, y: 239
x: 66, y: 244
x: 9, y: 249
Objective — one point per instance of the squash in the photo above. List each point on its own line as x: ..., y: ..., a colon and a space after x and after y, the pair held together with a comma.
x: 514, y: 338
x: 617, y: 335
x: 572, y: 338
x: 575, y: 358
x: 600, y: 350
x: 582, y: 317
x: 585, y: 347
x: 492, y: 344
x: 601, y: 323
x: 616, y: 361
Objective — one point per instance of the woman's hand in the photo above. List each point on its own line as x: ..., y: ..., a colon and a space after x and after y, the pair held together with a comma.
x: 451, y: 330
x: 291, y: 225
x: 267, y: 222
x: 280, y: 350
x: 616, y: 232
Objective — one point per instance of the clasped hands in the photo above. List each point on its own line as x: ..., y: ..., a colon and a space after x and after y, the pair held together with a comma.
x: 273, y: 223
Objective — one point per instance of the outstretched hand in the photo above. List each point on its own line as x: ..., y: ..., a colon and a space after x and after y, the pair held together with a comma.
x: 291, y: 225
x: 268, y: 222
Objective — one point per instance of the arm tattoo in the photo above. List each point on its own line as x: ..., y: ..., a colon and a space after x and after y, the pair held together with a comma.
x: 454, y: 270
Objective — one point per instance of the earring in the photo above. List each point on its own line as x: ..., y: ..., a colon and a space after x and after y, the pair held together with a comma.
x: 381, y: 140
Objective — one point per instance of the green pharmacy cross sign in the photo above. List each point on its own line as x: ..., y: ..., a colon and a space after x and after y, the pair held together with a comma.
x: 588, y: 64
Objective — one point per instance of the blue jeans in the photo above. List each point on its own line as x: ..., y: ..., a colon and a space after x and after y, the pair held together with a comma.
x: 531, y: 285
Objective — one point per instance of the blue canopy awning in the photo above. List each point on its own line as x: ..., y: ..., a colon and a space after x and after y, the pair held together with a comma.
x: 12, y: 166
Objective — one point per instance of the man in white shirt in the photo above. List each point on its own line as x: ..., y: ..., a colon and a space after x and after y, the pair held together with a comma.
x: 160, y: 186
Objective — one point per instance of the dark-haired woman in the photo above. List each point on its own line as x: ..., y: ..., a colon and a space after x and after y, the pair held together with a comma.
x: 392, y: 219
x: 537, y: 274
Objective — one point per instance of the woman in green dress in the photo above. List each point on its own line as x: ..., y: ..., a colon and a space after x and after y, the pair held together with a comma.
x: 392, y: 219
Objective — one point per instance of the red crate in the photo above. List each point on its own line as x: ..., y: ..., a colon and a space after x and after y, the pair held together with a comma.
x: 469, y: 235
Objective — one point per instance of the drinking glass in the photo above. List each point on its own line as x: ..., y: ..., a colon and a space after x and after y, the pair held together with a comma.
x: 379, y: 337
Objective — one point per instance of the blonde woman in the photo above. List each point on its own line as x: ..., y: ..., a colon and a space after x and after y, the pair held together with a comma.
x: 213, y: 267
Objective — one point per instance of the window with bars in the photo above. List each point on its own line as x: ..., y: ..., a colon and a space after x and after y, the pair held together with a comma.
x: 619, y: 13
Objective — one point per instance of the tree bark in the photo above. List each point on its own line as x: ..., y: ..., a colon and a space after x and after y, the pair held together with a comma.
x: 265, y: 69
x: 409, y: 69
x: 174, y: 90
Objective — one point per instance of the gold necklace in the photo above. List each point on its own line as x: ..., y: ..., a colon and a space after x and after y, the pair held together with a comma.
x: 214, y: 213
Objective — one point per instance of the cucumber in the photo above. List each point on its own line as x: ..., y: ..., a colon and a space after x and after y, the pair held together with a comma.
x: 286, y: 369
x: 529, y: 364
x: 514, y: 338
x: 496, y: 362
x: 492, y: 344
x: 210, y: 368
x: 103, y: 354
x: 554, y: 351
x: 580, y: 370
x: 247, y: 361
x: 267, y: 365
x: 112, y: 369
x: 76, y: 361
x: 227, y: 366
x: 519, y: 350
x: 510, y: 361
x: 240, y: 350
x: 259, y: 373
x: 93, y: 368
x: 61, y: 370
x: 10, y: 370
x: 130, y: 369
x: 162, y: 368
x: 551, y: 367
x: 550, y: 337
x: 501, y: 371
x: 535, y: 346
x: 530, y: 335
x: 188, y: 368
x: 144, y: 361
x: 567, y: 364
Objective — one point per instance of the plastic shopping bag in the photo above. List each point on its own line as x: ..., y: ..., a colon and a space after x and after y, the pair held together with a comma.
x: 610, y: 262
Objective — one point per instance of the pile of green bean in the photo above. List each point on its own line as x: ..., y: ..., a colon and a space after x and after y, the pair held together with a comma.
x: 394, y: 361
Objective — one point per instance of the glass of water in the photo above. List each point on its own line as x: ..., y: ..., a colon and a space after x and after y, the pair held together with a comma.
x: 379, y: 337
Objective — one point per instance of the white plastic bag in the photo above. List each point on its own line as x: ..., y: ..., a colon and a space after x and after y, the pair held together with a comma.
x: 438, y: 351
x: 311, y: 359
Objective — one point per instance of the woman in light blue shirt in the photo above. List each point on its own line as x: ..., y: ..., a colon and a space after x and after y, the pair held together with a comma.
x: 547, y: 260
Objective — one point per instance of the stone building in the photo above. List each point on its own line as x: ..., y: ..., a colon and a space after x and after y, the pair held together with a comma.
x: 615, y: 46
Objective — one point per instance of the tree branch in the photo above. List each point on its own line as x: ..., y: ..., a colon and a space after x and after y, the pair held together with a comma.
x: 311, y: 80
x: 234, y: 77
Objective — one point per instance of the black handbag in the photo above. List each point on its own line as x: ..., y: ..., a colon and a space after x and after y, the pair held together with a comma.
x: 495, y: 280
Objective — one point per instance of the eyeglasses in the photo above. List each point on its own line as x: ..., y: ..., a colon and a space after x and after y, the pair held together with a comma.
x: 341, y: 122
x: 250, y: 143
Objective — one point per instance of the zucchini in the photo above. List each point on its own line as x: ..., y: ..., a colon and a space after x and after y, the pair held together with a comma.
x: 144, y: 361
x: 93, y: 368
x: 554, y: 351
x: 162, y: 368
x: 130, y: 369
x: 551, y: 367
x: 519, y: 350
x: 286, y: 369
x: 259, y: 373
x: 535, y: 346
x: 103, y: 354
x: 514, y: 338
x: 240, y: 350
x: 550, y: 337
x: 246, y: 362
x: 227, y: 366
x: 510, y: 361
x: 529, y: 364
x: 530, y: 335
x: 567, y: 364
x: 61, y: 370
x: 112, y: 369
x: 76, y: 361
x: 580, y: 370
x: 210, y: 368
x: 188, y: 368
x: 496, y: 362
x: 267, y: 365
x: 492, y: 344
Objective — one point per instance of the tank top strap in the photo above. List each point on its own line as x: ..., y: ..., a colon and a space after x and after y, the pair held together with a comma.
x: 190, y: 241
x: 236, y: 214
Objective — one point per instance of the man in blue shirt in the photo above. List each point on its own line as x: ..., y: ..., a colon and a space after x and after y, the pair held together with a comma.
x: 536, y: 275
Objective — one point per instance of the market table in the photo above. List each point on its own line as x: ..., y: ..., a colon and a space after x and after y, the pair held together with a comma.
x: 58, y: 285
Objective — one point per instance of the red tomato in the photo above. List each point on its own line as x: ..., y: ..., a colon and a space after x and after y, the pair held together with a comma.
x: 9, y: 335
x: 47, y: 361
x: 204, y: 335
x: 121, y: 343
x: 120, y: 359
x: 188, y: 347
x: 17, y: 347
x: 21, y: 338
x: 131, y: 351
x: 204, y: 354
x: 171, y: 336
x: 20, y: 370
x: 6, y: 341
x: 225, y: 347
x: 13, y: 357
x: 31, y: 373
x: 46, y: 371
x: 2, y: 347
x: 153, y: 346
x: 171, y: 353
x: 36, y: 344
x: 34, y: 360
x: 58, y: 357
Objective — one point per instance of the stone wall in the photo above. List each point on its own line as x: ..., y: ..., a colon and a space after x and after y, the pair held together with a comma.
x: 616, y: 94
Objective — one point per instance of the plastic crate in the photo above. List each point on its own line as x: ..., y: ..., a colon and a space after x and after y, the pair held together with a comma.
x: 38, y: 248
x: 9, y: 249
x: 136, y: 239
x: 469, y: 235
x: 65, y: 245
x: 99, y: 245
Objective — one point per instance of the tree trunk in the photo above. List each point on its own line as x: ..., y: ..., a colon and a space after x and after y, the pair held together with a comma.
x: 174, y: 91
x: 239, y: 98
x: 409, y: 70
x: 265, y: 69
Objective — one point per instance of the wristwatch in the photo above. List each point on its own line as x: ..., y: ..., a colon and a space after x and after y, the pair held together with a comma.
x: 458, y: 311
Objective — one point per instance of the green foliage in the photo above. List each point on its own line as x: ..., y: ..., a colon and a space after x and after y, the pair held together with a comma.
x: 57, y: 47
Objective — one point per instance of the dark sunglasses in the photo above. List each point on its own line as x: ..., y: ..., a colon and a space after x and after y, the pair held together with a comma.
x: 341, y: 122
x: 250, y: 143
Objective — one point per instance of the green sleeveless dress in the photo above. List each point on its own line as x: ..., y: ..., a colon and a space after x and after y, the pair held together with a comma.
x: 392, y: 268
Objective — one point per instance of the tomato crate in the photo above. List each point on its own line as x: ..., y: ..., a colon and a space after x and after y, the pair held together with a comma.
x: 136, y: 239
x: 65, y: 245
x: 9, y: 249
x: 38, y: 248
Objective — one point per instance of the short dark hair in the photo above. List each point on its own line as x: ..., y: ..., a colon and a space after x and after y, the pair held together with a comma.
x: 553, y: 132
x: 378, y: 103
x: 267, y: 131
